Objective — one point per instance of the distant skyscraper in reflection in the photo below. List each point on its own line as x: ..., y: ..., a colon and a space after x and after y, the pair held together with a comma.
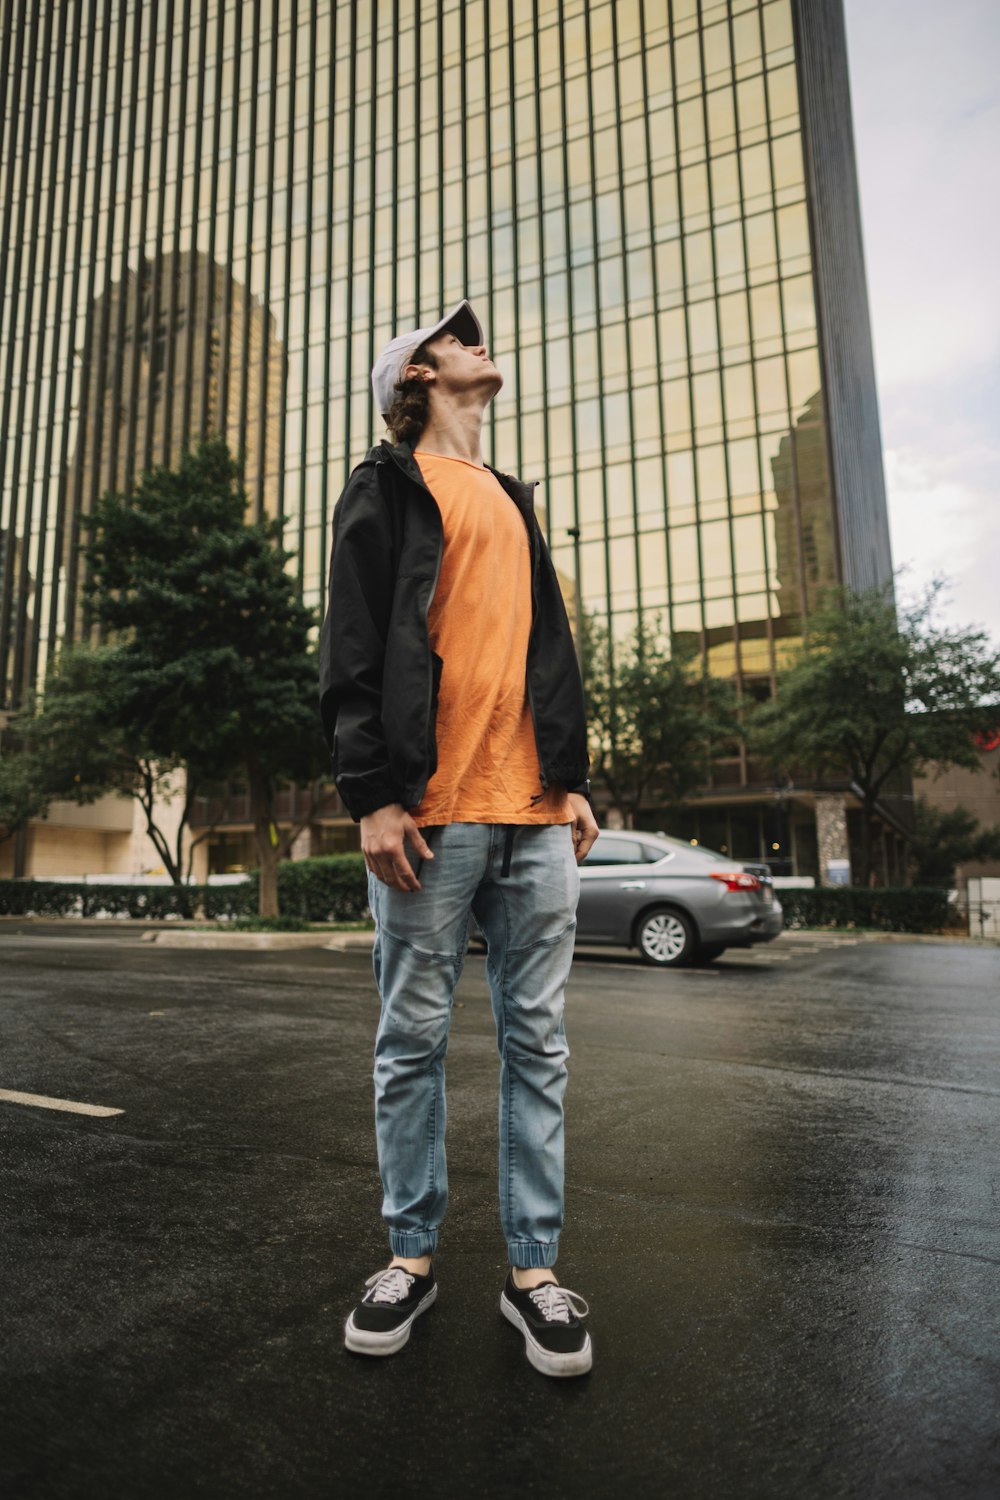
x: 149, y: 393
x: 653, y: 207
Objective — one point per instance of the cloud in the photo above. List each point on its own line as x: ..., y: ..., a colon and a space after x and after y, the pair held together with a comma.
x: 927, y: 118
x: 942, y: 455
x: 936, y: 519
x: 926, y: 105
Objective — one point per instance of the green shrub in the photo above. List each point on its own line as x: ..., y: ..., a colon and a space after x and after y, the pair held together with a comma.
x: 333, y: 889
x: 40, y: 898
x: 230, y: 901
x: 330, y: 889
x: 146, y: 902
x: 51, y: 898
x: 892, y: 909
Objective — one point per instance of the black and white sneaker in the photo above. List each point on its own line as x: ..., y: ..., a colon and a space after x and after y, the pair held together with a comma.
x: 550, y: 1316
x: 381, y: 1322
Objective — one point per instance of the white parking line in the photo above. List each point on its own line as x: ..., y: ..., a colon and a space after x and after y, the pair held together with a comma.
x: 40, y: 1101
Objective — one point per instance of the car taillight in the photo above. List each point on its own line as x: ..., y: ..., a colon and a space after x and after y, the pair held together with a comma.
x: 737, y: 880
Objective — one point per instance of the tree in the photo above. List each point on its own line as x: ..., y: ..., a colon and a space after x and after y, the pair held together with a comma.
x: 945, y: 837
x: 657, y: 719
x: 21, y: 796
x: 877, y: 691
x: 78, y: 746
x: 214, y: 668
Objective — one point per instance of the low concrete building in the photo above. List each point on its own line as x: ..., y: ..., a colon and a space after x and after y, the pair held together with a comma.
x: 979, y: 791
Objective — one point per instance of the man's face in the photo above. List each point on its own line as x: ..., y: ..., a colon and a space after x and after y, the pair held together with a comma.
x: 461, y: 368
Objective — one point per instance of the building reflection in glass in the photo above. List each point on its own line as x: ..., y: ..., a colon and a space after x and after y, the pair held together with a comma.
x: 152, y: 414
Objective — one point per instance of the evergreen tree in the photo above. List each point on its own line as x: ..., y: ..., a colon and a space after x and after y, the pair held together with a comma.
x: 21, y: 796
x: 214, y: 666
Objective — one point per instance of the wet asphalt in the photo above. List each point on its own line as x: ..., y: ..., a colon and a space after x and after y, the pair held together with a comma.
x: 782, y: 1205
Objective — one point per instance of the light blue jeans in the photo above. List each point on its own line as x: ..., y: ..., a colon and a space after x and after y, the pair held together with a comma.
x: 528, y: 918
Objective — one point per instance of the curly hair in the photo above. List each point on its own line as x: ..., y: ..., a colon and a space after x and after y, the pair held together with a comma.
x: 410, y: 407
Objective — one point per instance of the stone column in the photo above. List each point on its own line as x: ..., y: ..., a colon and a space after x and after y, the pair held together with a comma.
x: 831, y: 837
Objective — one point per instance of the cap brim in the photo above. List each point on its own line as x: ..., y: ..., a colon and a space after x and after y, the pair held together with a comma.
x: 463, y: 323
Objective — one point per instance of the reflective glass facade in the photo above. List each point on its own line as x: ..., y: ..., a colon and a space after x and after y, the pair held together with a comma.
x: 214, y: 212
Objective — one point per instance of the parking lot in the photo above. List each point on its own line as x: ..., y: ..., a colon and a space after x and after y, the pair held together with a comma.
x: 781, y: 1205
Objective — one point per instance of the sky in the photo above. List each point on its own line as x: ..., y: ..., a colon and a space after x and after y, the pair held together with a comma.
x: 925, y: 88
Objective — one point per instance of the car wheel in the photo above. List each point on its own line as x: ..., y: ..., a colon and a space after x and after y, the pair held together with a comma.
x: 666, y: 938
x: 708, y: 952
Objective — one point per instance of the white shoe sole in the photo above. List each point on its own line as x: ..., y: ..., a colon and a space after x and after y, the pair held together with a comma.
x: 577, y: 1363
x: 364, y: 1341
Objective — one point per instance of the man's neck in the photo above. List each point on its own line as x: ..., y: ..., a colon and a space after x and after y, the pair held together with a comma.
x: 455, y: 432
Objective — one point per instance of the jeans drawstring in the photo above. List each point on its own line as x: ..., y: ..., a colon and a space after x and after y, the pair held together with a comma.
x: 508, y: 848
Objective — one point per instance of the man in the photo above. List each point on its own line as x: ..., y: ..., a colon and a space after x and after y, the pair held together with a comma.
x: 452, y: 702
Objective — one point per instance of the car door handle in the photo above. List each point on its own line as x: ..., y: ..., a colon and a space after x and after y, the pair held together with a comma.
x: 632, y: 885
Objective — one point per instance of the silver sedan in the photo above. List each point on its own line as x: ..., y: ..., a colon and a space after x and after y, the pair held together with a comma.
x: 677, y: 903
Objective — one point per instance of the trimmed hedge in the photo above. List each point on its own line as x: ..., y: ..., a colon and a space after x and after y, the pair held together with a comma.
x: 221, y: 902
x: 891, y: 909
x: 50, y: 898
x: 333, y: 889
x: 39, y: 898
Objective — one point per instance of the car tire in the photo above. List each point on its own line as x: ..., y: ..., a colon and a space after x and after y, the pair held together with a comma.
x: 709, y: 952
x: 666, y: 938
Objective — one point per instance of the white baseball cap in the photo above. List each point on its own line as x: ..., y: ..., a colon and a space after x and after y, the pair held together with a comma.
x: 394, y: 358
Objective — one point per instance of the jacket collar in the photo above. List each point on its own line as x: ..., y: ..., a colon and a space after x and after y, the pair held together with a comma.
x: 402, y: 455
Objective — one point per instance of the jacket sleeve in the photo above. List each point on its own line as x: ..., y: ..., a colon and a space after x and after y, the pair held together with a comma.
x: 568, y: 756
x: 353, y: 644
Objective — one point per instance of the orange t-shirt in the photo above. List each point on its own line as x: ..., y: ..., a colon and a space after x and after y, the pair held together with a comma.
x: 479, y: 621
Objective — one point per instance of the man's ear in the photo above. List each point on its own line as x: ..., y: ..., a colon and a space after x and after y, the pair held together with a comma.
x: 418, y: 372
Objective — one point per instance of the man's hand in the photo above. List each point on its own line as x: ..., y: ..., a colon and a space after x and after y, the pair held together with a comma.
x: 382, y: 836
x: 585, y: 829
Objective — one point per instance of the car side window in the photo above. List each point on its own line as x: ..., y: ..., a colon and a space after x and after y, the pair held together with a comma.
x: 611, y: 851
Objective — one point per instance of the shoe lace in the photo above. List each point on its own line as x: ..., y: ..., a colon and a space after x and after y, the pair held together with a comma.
x: 391, y: 1285
x: 557, y: 1304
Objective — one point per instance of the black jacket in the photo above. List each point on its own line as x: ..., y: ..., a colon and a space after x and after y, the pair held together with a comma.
x: 379, y: 677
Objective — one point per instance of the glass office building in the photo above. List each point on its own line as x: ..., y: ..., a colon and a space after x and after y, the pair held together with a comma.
x: 215, y: 212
